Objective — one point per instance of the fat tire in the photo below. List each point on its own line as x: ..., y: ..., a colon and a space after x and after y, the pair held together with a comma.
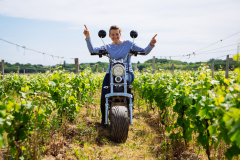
x: 119, y: 125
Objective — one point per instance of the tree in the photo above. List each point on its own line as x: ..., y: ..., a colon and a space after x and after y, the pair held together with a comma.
x: 64, y: 64
x: 211, y: 60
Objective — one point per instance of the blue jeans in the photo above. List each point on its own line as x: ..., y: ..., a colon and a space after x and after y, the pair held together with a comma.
x: 105, y: 91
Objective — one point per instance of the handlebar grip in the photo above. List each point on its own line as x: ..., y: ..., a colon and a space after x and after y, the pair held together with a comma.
x: 141, y: 53
x: 92, y: 54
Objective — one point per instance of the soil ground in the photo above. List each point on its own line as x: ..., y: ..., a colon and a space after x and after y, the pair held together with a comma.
x: 84, y: 138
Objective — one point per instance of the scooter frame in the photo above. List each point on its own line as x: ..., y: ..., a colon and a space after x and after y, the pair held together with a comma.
x: 124, y: 94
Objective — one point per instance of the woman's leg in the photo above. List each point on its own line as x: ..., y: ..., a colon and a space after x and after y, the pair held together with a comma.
x: 131, y: 80
x: 103, y: 99
x: 131, y: 77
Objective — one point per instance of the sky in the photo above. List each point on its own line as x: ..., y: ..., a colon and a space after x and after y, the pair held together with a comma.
x: 55, y: 27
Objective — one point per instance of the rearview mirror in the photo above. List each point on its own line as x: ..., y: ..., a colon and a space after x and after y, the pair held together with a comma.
x: 102, y: 33
x: 133, y: 34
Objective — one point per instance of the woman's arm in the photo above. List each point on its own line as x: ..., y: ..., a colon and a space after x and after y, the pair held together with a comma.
x: 91, y: 48
x: 148, y: 49
x: 89, y: 43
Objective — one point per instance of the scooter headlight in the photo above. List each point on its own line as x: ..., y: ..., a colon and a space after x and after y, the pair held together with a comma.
x: 118, y: 70
x: 118, y: 79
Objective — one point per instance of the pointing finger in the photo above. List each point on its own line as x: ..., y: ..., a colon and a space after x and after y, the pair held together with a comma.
x: 154, y: 36
x: 85, y: 26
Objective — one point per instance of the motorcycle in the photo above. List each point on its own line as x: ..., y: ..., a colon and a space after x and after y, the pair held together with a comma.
x: 119, y: 99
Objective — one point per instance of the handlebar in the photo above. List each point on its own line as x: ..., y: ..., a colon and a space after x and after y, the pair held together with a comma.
x: 93, y: 54
x: 135, y: 53
x: 101, y: 53
x: 141, y: 53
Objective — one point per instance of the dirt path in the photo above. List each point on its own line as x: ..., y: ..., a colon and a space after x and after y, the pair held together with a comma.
x: 85, y: 139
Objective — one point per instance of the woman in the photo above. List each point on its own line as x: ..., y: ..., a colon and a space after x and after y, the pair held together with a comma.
x: 118, y: 49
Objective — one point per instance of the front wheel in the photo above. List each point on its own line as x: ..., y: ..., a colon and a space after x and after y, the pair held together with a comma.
x: 119, y: 125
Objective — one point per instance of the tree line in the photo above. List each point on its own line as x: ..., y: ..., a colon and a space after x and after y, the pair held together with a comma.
x: 102, y: 66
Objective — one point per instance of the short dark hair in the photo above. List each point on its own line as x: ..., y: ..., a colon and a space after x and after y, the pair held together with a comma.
x: 114, y: 27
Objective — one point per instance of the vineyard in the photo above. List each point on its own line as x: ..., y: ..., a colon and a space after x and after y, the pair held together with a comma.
x: 180, y: 115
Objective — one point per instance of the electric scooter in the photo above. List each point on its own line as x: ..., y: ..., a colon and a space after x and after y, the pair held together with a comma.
x: 119, y: 99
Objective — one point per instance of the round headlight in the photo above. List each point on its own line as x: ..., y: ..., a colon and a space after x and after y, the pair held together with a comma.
x: 118, y: 79
x: 118, y: 70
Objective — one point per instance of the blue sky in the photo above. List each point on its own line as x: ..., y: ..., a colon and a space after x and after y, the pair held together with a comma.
x: 56, y: 27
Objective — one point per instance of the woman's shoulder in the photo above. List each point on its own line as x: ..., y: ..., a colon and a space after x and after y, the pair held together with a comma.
x: 127, y: 42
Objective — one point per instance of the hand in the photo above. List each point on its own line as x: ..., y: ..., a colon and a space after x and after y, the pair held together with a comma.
x: 153, y: 41
x: 86, y: 32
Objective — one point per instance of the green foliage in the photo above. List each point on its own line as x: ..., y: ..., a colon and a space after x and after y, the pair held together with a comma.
x: 34, y: 98
x: 202, y: 104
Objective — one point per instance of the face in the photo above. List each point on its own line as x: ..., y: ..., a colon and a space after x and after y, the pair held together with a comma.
x: 115, y: 35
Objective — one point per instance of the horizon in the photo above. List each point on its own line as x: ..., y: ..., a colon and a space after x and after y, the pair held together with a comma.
x: 230, y: 58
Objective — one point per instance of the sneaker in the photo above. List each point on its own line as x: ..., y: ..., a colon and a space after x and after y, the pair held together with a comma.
x: 102, y: 125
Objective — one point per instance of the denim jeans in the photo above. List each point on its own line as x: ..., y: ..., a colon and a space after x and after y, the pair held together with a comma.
x: 104, y: 92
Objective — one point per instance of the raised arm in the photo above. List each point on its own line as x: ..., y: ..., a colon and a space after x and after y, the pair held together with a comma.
x: 148, y: 49
x: 89, y: 43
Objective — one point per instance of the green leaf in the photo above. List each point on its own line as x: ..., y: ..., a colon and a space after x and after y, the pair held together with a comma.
x: 1, y: 121
x: 2, y: 114
x: 2, y: 107
x: 17, y: 107
x: 23, y: 148
x: 9, y: 106
x: 232, y: 151
x: 169, y: 128
x: 203, y: 112
x: 179, y: 121
x: 193, y: 111
x: 21, y: 158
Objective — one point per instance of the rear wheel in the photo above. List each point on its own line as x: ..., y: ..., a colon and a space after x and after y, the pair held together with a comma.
x: 119, y: 125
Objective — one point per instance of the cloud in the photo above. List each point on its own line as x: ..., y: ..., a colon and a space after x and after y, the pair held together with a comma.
x: 75, y: 27
x: 180, y: 15
x: 169, y: 19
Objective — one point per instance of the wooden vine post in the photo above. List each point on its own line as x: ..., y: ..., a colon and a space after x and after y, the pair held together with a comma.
x: 77, y: 72
x: 153, y: 65
x: 79, y: 96
x: 173, y: 68
x: 135, y: 67
x: 212, y: 70
x: 18, y: 69
x: 96, y: 68
x: 2, y: 69
x: 227, y: 69
x: 77, y: 65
